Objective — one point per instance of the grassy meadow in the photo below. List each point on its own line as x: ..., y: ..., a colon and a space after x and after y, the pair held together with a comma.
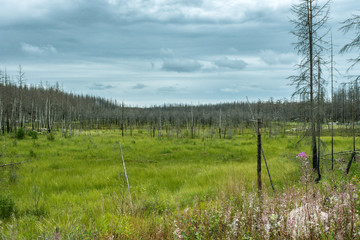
x: 74, y: 187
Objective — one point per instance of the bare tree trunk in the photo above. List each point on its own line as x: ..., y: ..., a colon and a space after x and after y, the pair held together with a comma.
x: 353, y: 155
x: 32, y: 116
x: 1, y: 116
x: 332, y: 106
x: 13, y: 118
x: 220, y: 124
x: 259, y: 154
x: 319, y: 122
x: 122, y: 118
x: 37, y: 119
x: 192, y: 123
x: 70, y: 121
x: 159, y: 130
x: 21, y: 81
x: 48, y: 114
x: 313, y: 131
x: 353, y: 121
x: 20, y: 113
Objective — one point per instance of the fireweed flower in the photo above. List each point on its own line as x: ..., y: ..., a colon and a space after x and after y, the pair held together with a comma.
x: 302, y: 155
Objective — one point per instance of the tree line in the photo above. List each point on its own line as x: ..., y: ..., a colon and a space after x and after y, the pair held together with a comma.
x: 46, y: 108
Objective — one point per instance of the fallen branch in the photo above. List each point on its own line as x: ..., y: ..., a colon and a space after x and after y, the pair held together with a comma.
x: 10, y: 164
x: 350, y: 151
x: 127, y: 180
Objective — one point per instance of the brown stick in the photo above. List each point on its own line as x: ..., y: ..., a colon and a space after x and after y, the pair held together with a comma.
x: 350, y: 151
x: 9, y: 164
x: 127, y: 180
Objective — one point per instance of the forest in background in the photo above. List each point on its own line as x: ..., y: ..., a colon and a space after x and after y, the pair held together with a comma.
x: 44, y: 108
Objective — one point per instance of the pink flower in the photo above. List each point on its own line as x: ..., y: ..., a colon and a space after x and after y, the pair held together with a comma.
x: 302, y: 155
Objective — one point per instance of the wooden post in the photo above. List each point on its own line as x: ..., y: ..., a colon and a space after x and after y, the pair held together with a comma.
x: 262, y: 150
x: 259, y: 154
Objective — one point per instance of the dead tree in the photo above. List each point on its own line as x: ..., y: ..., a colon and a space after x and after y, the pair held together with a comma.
x: 309, y: 23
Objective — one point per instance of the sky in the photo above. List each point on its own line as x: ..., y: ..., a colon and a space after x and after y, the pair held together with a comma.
x: 151, y: 52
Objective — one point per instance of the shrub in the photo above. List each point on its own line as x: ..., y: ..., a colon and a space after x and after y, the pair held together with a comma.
x: 33, y: 134
x: 12, y: 174
x: 51, y: 137
x: 20, y: 133
x: 7, y: 206
x: 32, y: 153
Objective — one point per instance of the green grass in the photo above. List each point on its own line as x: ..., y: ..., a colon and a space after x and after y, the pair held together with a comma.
x: 78, y: 183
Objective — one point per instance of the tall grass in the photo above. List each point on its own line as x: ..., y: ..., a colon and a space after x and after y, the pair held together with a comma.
x: 180, y: 186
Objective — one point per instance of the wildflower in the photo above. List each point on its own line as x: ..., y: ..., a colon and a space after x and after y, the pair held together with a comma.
x: 177, y: 233
x: 302, y: 155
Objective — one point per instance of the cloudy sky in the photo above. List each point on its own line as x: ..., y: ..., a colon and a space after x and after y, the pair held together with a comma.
x: 146, y: 52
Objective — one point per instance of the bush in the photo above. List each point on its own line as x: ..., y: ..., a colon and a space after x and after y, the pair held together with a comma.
x: 32, y: 153
x: 51, y: 137
x: 7, y: 206
x: 33, y: 134
x: 20, y: 133
x: 13, y: 175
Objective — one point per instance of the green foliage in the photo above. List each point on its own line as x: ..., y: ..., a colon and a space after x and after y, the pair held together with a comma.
x: 7, y: 206
x: 38, y: 208
x: 32, y: 153
x: 20, y: 134
x: 12, y: 174
x: 33, y: 134
x: 83, y: 191
x: 50, y: 136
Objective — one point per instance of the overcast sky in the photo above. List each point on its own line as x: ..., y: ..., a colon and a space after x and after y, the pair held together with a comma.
x: 146, y: 52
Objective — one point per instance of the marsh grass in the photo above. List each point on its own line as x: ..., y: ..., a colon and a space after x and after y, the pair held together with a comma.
x: 77, y: 184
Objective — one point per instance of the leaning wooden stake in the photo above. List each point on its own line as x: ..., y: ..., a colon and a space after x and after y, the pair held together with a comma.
x: 127, y: 179
x: 262, y: 150
x: 353, y: 155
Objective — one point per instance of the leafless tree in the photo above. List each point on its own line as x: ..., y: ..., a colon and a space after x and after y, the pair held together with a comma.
x: 309, y: 22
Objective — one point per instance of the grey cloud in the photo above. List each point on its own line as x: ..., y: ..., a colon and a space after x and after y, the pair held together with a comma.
x: 255, y: 85
x: 167, y: 52
x: 230, y: 90
x: 38, y: 50
x: 271, y: 57
x: 230, y: 63
x: 121, y: 29
x: 139, y: 86
x: 147, y: 39
x: 99, y: 86
x: 166, y: 89
x: 181, y: 65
